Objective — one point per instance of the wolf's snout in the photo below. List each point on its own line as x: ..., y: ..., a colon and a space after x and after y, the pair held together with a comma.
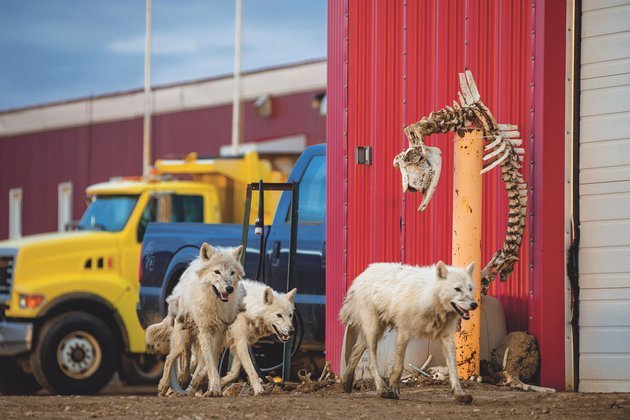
x: 230, y: 289
x: 473, y: 305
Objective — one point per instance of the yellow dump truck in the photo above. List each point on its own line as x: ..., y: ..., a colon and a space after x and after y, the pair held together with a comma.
x: 68, y: 300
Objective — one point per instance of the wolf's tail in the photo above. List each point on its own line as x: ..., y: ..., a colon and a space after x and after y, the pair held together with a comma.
x: 347, y: 310
x: 158, y: 336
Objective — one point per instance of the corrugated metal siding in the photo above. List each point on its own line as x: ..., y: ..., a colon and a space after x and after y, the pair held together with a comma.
x: 83, y: 155
x: 605, y: 197
x: 404, y: 60
x: 337, y: 175
x: 205, y: 130
x: 38, y: 162
x: 547, y: 214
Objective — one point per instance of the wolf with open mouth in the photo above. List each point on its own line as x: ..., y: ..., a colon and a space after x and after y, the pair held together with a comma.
x: 416, y: 301
x: 265, y: 313
x: 209, y: 298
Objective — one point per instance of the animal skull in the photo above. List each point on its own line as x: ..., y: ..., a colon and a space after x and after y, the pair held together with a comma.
x: 420, y: 166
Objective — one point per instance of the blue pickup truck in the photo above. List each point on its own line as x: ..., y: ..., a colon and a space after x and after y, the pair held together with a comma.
x: 167, y: 249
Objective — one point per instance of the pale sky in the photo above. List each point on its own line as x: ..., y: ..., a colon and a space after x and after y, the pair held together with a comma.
x: 52, y: 50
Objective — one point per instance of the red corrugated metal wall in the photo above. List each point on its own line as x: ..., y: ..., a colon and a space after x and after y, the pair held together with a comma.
x: 337, y: 175
x: 84, y: 155
x: 403, y: 59
x: 38, y: 162
x: 206, y: 129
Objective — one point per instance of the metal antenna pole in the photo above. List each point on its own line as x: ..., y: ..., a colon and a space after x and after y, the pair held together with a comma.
x: 236, y: 99
x: 146, y: 134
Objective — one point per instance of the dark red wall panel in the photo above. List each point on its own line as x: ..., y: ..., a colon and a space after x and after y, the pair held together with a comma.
x: 205, y: 130
x: 37, y: 163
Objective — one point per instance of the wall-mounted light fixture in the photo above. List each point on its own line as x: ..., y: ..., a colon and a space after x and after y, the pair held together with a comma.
x: 264, y: 106
x: 319, y: 103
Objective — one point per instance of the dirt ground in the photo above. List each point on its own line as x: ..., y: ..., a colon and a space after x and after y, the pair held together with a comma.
x: 426, y: 399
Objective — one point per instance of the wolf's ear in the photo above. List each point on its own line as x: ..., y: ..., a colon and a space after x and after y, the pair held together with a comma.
x: 291, y: 295
x: 268, y: 296
x: 470, y: 268
x: 237, y: 252
x: 442, y: 271
x: 206, y: 251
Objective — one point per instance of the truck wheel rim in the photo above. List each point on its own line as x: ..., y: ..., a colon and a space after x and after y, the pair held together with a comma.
x: 79, y: 355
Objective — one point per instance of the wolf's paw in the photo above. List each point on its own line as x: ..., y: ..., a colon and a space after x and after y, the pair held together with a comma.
x: 194, y: 392
x: 259, y: 391
x: 347, y: 386
x: 213, y: 393
x: 183, y: 380
x: 463, y: 398
x: 389, y: 394
x: 171, y: 393
x: 163, y: 390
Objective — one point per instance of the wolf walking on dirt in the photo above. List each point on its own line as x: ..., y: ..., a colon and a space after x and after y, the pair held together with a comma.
x: 416, y: 301
x: 266, y: 313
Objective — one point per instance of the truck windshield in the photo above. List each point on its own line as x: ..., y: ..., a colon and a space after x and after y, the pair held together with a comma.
x: 108, y: 212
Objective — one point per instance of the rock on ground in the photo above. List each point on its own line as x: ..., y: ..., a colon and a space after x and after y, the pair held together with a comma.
x: 523, y: 357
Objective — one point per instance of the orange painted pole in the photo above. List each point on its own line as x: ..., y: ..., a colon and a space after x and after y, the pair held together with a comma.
x: 467, y: 239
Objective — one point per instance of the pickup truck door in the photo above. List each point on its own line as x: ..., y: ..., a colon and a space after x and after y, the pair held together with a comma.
x: 310, y: 258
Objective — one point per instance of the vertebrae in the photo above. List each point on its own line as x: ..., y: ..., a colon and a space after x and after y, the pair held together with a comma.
x: 420, y: 165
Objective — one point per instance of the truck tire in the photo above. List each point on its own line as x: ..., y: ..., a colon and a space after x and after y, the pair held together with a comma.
x: 75, y: 354
x: 141, y: 369
x: 14, y: 381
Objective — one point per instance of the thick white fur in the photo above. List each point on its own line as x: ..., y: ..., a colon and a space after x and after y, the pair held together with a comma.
x: 202, y: 314
x: 260, y: 319
x: 158, y: 336
x: 267, y: 312
x: 417, y: 301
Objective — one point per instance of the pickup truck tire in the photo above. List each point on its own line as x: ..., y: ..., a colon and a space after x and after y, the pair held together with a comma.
x: 142, y: 369
x: 14, y: 381
x: 75, y: 354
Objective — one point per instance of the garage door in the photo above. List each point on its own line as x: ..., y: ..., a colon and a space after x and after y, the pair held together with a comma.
x: 605, y: 196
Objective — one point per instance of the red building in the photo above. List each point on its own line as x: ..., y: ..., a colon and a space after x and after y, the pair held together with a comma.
x: 70, y: 145
x: 392, y: 62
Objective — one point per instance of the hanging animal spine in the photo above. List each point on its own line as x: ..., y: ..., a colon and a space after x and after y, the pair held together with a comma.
x: 420, y: 166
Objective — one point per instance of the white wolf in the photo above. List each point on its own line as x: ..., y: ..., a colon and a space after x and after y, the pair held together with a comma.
x: 417, y: 301
x: 209, y: 297
x: 267, y: 312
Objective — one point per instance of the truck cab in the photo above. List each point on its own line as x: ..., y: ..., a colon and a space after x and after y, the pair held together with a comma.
x: 67, y: 299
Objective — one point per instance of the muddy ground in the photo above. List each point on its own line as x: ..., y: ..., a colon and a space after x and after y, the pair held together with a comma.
x: 426, y: 399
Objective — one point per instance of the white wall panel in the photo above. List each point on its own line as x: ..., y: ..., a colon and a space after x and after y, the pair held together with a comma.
x: 604, y: 258
x: 605, y: 127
